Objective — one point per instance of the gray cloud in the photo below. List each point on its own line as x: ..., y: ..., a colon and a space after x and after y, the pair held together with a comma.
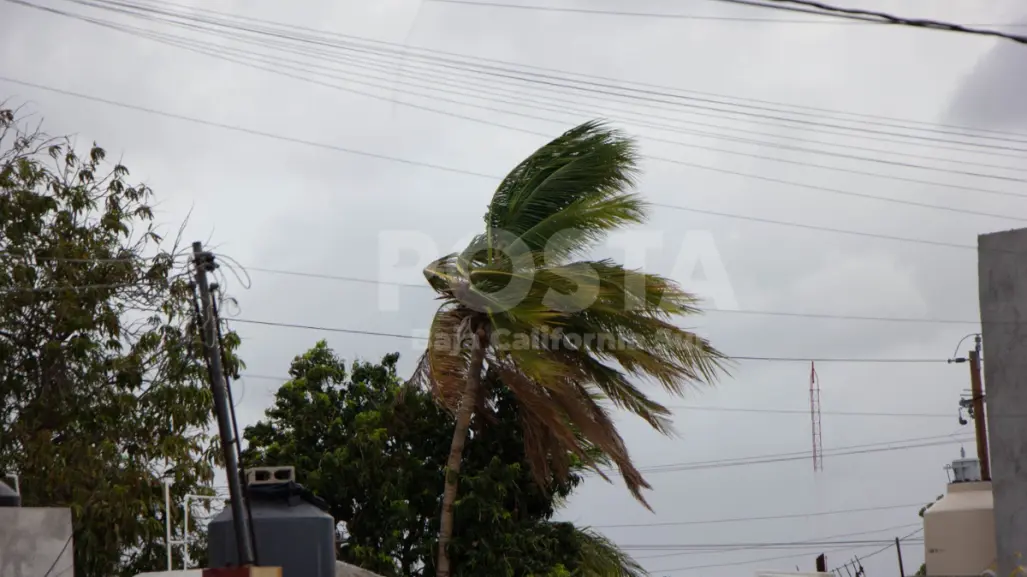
x: 992, y: 93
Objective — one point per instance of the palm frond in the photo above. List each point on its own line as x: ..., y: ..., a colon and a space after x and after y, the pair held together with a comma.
x: 584, y: 171
x: 443, y: 367
x: 561, y: 413
x: 601, y: 557
x: 604, y: 328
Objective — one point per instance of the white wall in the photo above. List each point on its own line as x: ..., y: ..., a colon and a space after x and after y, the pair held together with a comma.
x: 34, y: 539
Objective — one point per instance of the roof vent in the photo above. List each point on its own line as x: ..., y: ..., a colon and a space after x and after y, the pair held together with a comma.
x: 270, y: 475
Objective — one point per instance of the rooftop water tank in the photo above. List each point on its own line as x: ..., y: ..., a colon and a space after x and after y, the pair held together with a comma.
x: 959, y: 529
x: 293, y: 528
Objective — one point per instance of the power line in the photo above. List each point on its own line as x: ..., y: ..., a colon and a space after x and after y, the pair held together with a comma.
x: 817, y: 228
x: 826, y: 316
x: 443, y: 168
x: 806, y: 412
x: 760, y: 544
x: 140, y: 10
x: 664, y: 15
x: 749, y: 562
x: 718, y: 551
x: 881, y: 17
x: 725, y: 409
x: 546, y: 105
x: 404, y: 52
x: 672, y: 161
x: 526, y: 97
x: 668, y: 160
x: 736, y: 358
x: 885, y: 548
x: 763, y: 518
x: 890, y: 446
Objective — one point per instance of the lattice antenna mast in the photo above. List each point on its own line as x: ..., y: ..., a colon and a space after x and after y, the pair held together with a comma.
x: 814, y: 413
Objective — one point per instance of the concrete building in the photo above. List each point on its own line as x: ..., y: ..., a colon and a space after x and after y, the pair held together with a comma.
x: 1002, y: 279
x: 33, y: 540
x: 959, y: 529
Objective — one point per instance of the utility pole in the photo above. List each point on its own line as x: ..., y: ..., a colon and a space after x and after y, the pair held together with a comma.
x: 204, y: 262
x: 898, y: 549
x: 977, y: 393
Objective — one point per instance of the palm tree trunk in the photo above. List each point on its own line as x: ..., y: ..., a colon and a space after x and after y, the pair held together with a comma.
x: 456, y: 452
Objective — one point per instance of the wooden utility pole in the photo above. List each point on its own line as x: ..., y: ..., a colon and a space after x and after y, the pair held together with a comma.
x: 977, y: 397
x: 204, y: 262
x: 898, y: 549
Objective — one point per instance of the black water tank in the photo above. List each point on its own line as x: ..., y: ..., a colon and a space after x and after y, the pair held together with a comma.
x: 8, y: 496
x: 293, y: 531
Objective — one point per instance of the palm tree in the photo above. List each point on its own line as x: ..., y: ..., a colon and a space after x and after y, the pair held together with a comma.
x: 564, y: 334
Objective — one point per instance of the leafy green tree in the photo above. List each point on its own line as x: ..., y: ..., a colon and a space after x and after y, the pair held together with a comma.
x: 600, y: 324
x: 101, y: 393
x: 375, y: 450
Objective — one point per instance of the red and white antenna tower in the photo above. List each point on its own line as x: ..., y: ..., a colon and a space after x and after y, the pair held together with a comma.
x: 814, y: 413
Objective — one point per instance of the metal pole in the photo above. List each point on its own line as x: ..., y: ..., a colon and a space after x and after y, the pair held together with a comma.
x: 186, y: 559
x: 898, y: 549
x: 204, y: 262
x: 980, y: 428
x: 167, y: 518
x: 185, y: 535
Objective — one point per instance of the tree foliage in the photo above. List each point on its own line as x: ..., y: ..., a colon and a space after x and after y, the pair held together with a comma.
x: 375, y: 450
x: 101, y: 393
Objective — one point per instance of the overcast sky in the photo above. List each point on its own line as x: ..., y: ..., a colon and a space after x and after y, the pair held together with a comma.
x: 280, y: 204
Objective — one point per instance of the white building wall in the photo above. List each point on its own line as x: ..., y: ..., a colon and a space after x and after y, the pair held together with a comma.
x: 34, y: 539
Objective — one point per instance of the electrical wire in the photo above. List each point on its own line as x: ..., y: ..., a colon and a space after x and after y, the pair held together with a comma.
x: 523, y: 99
x: 673, y: 16
x: 59, y: 556
x: 801, y: 456
x: 826, y: 316
x: 335, y: 148
x: 140, y: 10
x: 882, y: 17
x: 736, y: 358
x: 629, y: 14
x: 805, y: 7
x: 756, y: 545
x: 764, y: 518
x: 804, y: 412
x: 403, y: 51
x: 662, y: 159
x: 885, y: 548
x: 748, y: 562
